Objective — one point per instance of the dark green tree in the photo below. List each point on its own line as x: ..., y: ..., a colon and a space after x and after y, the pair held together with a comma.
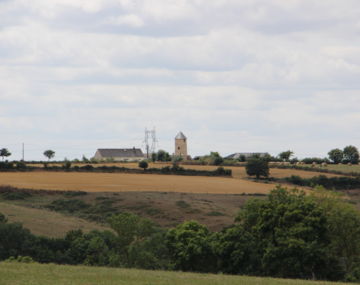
x: 258, y: 167
x: 190, y: 247
x: 351, y: 155
x: 336, y: 155
x: 130, y: 229
x: 49, y: 154
x: 344, y: 230
x: 4, y: 152
x: 285, y: 155
x: 292, y: 235
x: 143, y: 164
x: 162, y: 155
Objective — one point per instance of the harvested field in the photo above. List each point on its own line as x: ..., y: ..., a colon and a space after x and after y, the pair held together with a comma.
x: 237, y: 171
x: 47, y: 223
x: 118, y: 182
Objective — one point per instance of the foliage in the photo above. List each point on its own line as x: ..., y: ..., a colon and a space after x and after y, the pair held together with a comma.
x: 190, y: 247
x: 49, y: 154
x: 143, y: 164
x: 314, y: 160
x: 15, y: 195
x: 258, y: 167
x: 285, y: 155
x: 290, y: 235
x: 161, y: 155
x: 351, y: 155
x: 344, y: 231
x: 286, y: 234
x: 338, y: 183
x: 69, y: 206
x: 3, y: 219
x: 4, y: 152
x: 67, y: 165
x: 336, y: 155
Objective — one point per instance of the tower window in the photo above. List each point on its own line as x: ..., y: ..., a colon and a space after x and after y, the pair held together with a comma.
x: 178, y: 147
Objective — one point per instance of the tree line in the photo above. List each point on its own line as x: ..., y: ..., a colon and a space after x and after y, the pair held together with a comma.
x: 287, y: 234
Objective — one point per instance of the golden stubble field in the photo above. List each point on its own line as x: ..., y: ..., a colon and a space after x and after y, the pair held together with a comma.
x: 121, y: 182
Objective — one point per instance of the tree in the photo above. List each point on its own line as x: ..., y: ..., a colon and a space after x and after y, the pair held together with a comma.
x: 344, y: 229
x: 130, y: 228
x: 4, y: 152
x: 351, y: 154
x: 162, y: 155
x: 285, y: 155
x: 215, y: 158
x: 258, y: 167
x: 49, y: 154
x: 190, y: 247
x: 336, y: 155
x: 291, y: 232
x: 143, y: 164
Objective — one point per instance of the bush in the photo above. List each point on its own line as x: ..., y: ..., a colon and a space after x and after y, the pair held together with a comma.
x: 338, y: 183
x: 70, y: 206
x: 143, y: 164
x: 67, y: 165
x: 15, y: 195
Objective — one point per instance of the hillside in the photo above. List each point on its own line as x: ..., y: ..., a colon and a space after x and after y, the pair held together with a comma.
x: 36, y: 274
x: 46, y: 223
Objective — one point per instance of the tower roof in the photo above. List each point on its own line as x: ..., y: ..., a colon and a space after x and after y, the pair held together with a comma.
x: 180, y: 136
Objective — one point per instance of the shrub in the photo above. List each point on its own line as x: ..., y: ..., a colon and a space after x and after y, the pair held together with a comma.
x: 143, y: 164
x: 70, y: 206
x: 14, y: 195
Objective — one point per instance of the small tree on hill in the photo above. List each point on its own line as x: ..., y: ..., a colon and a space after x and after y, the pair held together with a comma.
x: 49, y: 154
x: 285, y: 155
x: 336, y: 155
x: 143, y: 164
x: 258, y: 167
x: 351, y: 154
x: 4, y: 152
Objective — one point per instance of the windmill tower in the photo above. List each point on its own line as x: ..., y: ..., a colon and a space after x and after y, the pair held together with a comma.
x: 181, y: 145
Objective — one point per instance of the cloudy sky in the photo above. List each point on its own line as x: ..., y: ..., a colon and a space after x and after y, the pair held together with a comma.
x: 233, y: 75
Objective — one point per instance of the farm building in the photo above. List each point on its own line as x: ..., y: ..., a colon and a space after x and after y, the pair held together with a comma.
x: 119, y: 154
x: 246, y: 155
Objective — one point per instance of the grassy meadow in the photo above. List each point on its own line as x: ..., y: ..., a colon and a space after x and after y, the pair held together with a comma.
x: 37, y: 274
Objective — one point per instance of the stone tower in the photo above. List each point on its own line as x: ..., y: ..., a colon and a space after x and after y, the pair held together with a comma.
x: 181, y: 146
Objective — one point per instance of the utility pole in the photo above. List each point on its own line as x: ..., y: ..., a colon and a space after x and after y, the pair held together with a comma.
x: 150, y: 135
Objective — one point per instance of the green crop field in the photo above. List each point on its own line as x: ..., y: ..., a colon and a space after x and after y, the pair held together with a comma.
x: 36, y: 274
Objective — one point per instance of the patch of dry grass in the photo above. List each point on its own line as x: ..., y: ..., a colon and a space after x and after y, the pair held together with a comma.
x: 46, y: 223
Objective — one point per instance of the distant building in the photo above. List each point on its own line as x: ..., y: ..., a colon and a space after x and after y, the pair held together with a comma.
x: 181, y: 146
x: 246, y: 155
x: 119, y: 154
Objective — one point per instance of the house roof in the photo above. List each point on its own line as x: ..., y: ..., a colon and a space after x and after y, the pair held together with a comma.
x: 180, y: 136
x: 120, y: 152
x: 237, y: 155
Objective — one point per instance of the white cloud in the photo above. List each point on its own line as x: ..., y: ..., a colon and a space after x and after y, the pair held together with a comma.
x: 233, y: 75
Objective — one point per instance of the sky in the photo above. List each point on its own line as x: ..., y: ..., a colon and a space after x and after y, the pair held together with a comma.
x: 232, y: 75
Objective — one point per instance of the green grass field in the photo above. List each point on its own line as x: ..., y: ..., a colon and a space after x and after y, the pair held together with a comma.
x: 36, y: 274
